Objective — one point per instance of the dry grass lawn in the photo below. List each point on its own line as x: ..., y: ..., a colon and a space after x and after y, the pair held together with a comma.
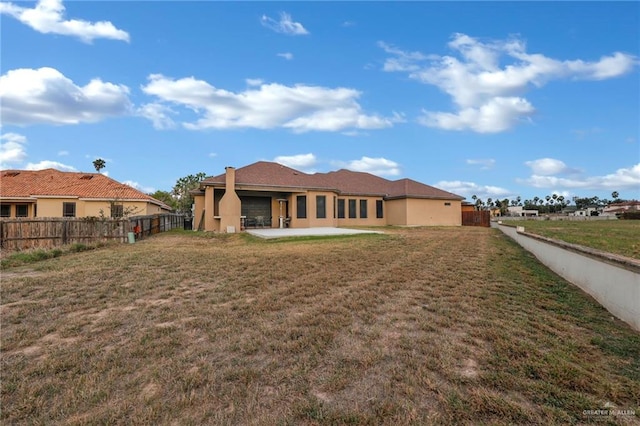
x: 417, y: 326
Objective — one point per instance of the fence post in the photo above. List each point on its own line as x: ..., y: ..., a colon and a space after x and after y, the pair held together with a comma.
x: 65, y: 228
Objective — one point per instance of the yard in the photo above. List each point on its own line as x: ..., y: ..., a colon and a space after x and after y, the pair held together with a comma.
x: 417, y: 326
x: 614, y: 236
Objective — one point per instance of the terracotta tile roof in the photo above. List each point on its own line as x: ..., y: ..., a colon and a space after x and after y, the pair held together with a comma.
x: 343, y: 181
x: 52, y: 182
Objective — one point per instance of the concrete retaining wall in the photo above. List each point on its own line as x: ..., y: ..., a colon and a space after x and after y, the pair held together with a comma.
x: 614, y: 281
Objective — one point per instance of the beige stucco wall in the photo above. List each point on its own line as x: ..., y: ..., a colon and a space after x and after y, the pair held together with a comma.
x: 13, y: 208
x: 52, y: 207
x: 199, y: 204
x: 423, y: 212
x: 396, y: 212
x: 434, y: 212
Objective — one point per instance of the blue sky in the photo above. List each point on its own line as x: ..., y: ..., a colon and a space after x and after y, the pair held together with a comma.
x: 496, y: 99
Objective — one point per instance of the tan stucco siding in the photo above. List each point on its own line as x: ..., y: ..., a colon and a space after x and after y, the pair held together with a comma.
x: 198, y: 201
x: 312, y: 205
x: 53, y: 207
x: 13, y: 208
x: 433, y: 212
x: 396, y: 212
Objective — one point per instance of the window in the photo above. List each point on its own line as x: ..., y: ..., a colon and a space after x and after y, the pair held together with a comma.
x: 22, y: 210
x: 352, y: 209
x: 379, y: 209
x: 341, y: 209
x: 117, y: 210
x: 301, y: 204
x: 69, y: 209
x: 321, y: 207
x: 35, y: 210
x: 5, y: 210
x: 363, y: 209
x: 447, y: 204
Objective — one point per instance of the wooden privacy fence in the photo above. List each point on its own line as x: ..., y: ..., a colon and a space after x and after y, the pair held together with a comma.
x: 46, y: 233
x: 476, y: 218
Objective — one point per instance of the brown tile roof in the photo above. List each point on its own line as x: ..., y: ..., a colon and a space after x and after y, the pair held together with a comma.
x: 52, y: 182
x: 346, y: 182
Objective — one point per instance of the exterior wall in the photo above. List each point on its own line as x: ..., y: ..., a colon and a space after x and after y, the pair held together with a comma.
x: 198, y: 201
x: 293, y: 211
x: 313, y: 221
x: 614, y: 284
x: 370, y: 220
x: 423, y: 212
x: 434, y: 212
x: 13, y: 208
x: 52, y: 207
x: 396, y: 212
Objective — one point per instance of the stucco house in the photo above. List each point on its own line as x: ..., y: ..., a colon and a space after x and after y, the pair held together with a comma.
x: 273, y: 195
x: 53, y: 193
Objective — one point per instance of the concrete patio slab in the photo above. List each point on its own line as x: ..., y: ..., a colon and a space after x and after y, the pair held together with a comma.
x: 305, y: 232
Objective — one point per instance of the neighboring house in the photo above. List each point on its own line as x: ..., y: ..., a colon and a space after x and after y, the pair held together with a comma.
x: 589, y: 211
x: 521, y: 211
x: 52, y: 193
x: 468, y: 207
x: 272, y: 195
x: 619, y: 208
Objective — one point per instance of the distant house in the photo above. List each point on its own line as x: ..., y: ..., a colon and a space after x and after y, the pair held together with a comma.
x: 587, y: 211
x: 273, y: 195
x: 619, y: 208
x: 521, y: 211
x: 52, y: 193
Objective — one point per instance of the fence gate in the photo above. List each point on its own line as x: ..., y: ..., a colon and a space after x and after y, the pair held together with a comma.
x: 476, y: 218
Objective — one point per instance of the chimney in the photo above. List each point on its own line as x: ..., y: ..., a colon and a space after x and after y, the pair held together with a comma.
x: 230, y: 179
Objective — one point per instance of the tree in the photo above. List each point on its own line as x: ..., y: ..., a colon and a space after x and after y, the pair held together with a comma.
x: 165, y: 197
x: 616, y: 196
x: 180, y: 192
x: 99, y: 164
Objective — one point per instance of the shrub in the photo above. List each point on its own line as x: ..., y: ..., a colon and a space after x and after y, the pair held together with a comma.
x: 635, y: 215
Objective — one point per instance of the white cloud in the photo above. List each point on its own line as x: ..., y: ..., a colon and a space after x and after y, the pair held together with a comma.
x: 45, y: 95
x: 12, y: 149
x: 254, y: 81
x: 302, y: 162
x: 158, y: 114
x: 486, y: 80
x: 286, y: 55
x: 213, y: 154
x: 468, y: 189
x: 497, y: 115
x: 375, y: 166
x: 300, y: 107
x: 547, y: 166
x: 47, y: 17
x: 141, y: 188
x: 63, y: 153
x: 47, y: 164
x: 285, y: 25
x: 624, y: 178
x: 484, y: 163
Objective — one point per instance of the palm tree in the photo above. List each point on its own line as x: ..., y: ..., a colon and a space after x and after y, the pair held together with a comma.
x: 616, y: 196
x: 99, y: 164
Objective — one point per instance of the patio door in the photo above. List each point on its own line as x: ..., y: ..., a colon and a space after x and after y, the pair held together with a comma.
x: 253, y: 207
